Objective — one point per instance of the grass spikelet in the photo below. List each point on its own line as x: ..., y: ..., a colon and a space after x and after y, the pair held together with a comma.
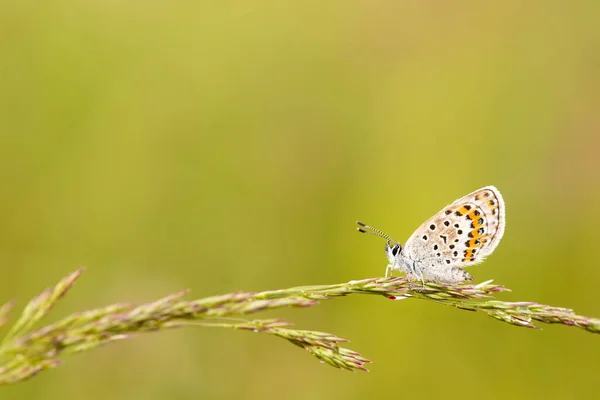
x: 26, y: 352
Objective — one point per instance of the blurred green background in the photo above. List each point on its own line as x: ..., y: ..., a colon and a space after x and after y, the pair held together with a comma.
x: 226, y: 146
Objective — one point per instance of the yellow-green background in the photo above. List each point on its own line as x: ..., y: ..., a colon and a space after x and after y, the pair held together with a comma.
x: 226, y: 146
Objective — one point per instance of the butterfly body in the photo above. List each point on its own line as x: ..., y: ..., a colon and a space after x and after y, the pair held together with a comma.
x: 460, y: 235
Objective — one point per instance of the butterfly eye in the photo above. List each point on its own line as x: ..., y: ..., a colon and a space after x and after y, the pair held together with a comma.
x: 395, y: 250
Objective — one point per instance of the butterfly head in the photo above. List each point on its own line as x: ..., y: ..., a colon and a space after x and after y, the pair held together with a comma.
x: 393, y: 251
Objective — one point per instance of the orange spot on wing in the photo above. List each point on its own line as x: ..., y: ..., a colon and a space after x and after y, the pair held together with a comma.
x: 475, y: 218
x: 474, y: 234
x: 463, y: 210
x: 477, y: 241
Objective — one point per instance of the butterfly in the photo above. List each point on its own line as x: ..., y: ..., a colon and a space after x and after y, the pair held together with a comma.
x: 460, y: 235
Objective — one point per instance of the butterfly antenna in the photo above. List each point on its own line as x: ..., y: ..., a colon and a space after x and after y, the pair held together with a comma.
x: 363, y: 228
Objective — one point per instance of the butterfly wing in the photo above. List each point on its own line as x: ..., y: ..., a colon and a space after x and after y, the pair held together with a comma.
x: 461, y: 234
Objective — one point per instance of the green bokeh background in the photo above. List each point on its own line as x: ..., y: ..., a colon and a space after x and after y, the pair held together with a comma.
x: 225, y: 146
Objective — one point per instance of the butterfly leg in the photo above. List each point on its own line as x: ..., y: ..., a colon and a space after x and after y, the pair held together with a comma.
x: 389, y: 270
x: 411, y: 279
x: 419, y: 274
x: 410, y: 274
x: 421, y: 278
